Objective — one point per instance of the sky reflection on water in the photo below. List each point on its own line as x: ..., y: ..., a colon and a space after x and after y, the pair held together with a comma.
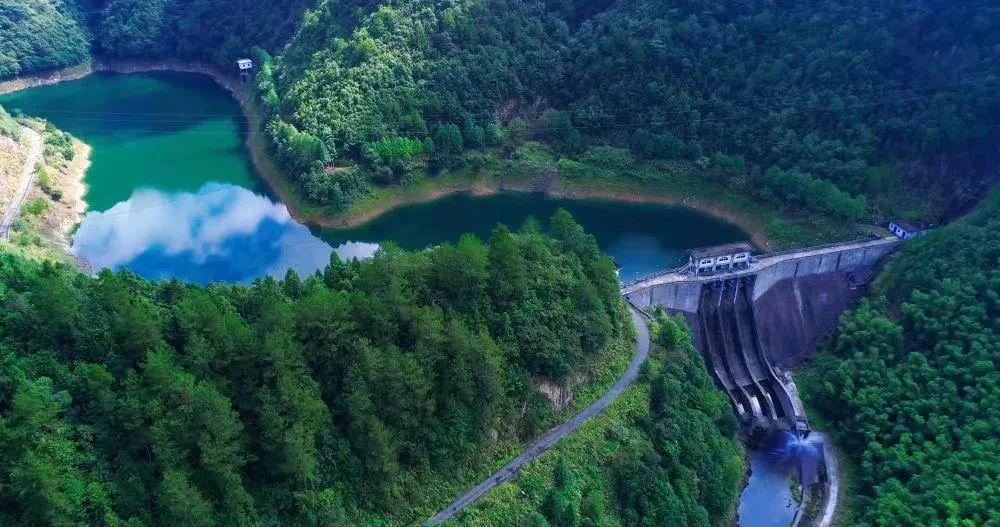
x: 221, y: 232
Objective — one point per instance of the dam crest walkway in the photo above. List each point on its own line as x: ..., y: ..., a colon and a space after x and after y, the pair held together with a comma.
x: 759, y: 264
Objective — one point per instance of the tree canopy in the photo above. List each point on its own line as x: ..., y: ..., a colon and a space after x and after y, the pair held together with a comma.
x: 863, y: 99
x: 41, y: 35
x: 664, y: 453
x: 869, y: 108
x: 332, y: 399
x: 911, y: 384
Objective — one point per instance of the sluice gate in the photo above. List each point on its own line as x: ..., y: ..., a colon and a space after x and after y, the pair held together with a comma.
x: 755, y: 317
x: 732, y: 348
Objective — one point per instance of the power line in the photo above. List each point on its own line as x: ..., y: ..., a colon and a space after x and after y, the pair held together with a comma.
x: 988, y: 80
x: 387, y: 126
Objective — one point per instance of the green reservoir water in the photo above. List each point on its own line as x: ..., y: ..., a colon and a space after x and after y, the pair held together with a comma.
x: 172, y: 193
x: 167, y: 131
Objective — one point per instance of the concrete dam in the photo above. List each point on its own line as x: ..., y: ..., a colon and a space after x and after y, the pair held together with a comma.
x: 755, y: 317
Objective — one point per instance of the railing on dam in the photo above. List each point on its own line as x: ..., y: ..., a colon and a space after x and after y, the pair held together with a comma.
x: 657, y: 274
x: 847, y: 243
x: 758, y: 263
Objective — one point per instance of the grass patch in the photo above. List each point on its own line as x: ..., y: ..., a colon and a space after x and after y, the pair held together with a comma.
x: 35, y: 207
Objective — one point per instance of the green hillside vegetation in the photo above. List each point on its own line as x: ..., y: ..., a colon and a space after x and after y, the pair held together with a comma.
x: 41, y: 35
x: 8, y: 126
x: 910, y: 382
x: 370, y: 392
x: 212, y: 31
x: 38, y: 35
x: 665, y: 453
x: 853, y: 109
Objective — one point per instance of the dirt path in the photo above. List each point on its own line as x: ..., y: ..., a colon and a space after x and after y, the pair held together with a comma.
x: 553, y: 436
x: 27, y: 177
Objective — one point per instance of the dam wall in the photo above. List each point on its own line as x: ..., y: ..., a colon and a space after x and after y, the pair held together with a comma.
x: 674, y: 297
x: 845, y: 261
x: 754, y: 323
x: 795, y: 314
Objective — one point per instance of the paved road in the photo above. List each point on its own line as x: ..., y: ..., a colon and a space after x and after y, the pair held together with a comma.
x: 551, y: 437
x: 27, y: 177
x: 833, y: 473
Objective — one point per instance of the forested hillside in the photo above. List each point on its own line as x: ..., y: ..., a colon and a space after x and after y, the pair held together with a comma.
x: 855, y: 110
x: 911, y: 384
x: 842, y: 107
x: 38, y: 35
x: 665, y: 453
x: 213, y: 31
x: 355, y: 394
x: 41, y: 34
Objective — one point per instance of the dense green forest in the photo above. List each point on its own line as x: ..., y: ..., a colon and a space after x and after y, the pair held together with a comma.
x: 41, y: 34
x: 214, y: 31
x: 335, y: 399
x: 664, y: 454
x: 841, y: 107
x: 855, y: 109
x: 910, y: 382
x: 38, y: 35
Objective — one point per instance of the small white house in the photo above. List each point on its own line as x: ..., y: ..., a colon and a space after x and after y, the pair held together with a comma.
x: 246, y: 69
x: 906, y: 230
x: 720, y: 258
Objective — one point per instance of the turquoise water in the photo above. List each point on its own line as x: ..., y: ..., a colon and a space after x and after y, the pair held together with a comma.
x: 171, y: 193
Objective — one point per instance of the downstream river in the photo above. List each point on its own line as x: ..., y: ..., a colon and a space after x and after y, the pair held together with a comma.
x: 171, y: 193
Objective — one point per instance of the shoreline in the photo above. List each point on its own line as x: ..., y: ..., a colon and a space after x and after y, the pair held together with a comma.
x: 278, y: 183
x: 74, y: 191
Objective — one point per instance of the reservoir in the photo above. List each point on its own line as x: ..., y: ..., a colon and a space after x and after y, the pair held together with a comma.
x: 172, y: 193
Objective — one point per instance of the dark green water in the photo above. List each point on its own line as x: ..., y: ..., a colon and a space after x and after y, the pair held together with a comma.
x: 172, y: 193
x: 641, y: 238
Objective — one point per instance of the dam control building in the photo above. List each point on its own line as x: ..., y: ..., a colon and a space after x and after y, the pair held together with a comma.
x: 708, y: 260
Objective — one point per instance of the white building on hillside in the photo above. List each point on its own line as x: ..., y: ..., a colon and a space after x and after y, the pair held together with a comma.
x: 907, y: 230
x: 720, y: 258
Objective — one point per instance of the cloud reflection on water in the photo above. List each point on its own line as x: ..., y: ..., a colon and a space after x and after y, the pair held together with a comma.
x: 220, y: 233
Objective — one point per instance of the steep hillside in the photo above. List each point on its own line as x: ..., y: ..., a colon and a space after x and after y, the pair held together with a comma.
x: 214, y: 31
x: 805, y: 104
x: 38, y: 35
x: 367, y: 394
x: 41, y: 34
x: 910, y: 382
x: 665, y: 453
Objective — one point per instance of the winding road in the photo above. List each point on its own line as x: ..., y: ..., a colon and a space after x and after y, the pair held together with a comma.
x: 553, y: 436
x: 27, y: 177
